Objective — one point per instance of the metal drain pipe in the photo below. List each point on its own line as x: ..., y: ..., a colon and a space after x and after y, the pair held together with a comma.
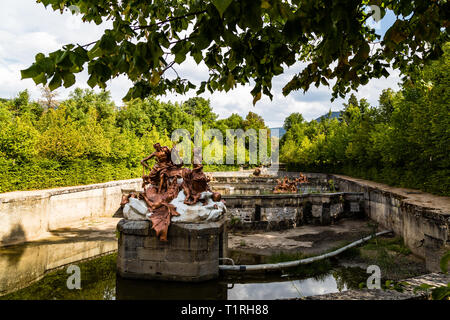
x: 290, y: 264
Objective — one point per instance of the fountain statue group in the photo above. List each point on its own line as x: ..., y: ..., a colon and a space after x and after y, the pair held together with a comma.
x: 286, y: 185
x: 172, y: 193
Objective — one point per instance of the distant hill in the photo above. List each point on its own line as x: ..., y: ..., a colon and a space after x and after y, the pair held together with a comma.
x: 334, y: 115
x: 281, y: 131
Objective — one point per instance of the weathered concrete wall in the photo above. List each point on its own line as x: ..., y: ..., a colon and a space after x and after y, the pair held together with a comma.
x: 246, y: 184
x: 25, y: 264
x: 422, y: 219
x: 423, y: 222
x: 28, y: 215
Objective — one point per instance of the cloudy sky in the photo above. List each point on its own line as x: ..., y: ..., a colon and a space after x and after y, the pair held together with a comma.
x: 27, y: 28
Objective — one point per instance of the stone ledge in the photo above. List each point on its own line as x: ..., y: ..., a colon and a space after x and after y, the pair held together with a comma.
x: 47, y: 193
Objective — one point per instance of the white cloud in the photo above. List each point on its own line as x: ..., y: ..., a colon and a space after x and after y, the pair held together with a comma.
x: 28, y: 28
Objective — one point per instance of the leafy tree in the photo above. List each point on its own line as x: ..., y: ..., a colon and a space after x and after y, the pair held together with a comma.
x: 141, y: 115
x: 386, y: 104
x: 200, y: 109
x: 404, y: 142
x: 48, y: 100
x: 244, y: 41
x: 234, y: 121
x: 80, y: 101
x: 254, y: 121
x: 18, y: 139
x: 22, y: 105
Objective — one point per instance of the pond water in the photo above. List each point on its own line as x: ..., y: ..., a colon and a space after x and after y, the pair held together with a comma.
x: 100, y: 282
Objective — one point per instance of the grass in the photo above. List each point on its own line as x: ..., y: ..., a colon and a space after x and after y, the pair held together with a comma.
x: 390, y: 254
x: 234, y: 221
x: 394, y: 244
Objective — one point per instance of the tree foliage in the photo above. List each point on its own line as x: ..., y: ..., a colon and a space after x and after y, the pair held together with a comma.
x: 405, y: 141
x: 244, y: 41
x: 87, y: 139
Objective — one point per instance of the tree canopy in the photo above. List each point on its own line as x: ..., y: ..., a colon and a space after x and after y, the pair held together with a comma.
x: 87, y: 139
x: 245, y: 41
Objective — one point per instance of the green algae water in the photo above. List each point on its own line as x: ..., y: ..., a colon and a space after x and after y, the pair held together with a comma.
x: 100, y: 282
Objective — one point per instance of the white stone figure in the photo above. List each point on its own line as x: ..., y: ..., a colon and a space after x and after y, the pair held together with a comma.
x: 217, y: 210
x: 211, y: 211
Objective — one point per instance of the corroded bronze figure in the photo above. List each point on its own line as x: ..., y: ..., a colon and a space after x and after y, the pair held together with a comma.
x: 164, y: 183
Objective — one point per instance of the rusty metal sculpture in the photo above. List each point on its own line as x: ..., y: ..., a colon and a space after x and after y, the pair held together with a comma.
x: 286, y: 185
x: 162, y: 185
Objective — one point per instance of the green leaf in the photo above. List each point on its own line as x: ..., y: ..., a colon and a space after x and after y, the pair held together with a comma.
x: 107, y: 43
x: 96, y: 51
x: 155, y: 78
x: 31, y: 72
x: 444, y: 262
x: 41, y: 78
x: 221, y: 5
x: 230, y: 81
x: 441, y: 293
x: 55, y: 82
x: 198, y: 57
x: 69, y: 80
x: 265, y: 4
x: 92, y: 82
x: 39, y: 57
x: 180, y: 57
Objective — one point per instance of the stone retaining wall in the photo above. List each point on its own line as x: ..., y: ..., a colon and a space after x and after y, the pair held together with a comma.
x: 28, y: 215
x: 421, y: 219
x: 281, y: 211
x: 424, y: 227
x: 28, y: 263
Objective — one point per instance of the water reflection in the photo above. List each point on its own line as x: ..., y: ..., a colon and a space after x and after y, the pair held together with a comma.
x: 22, y: 264
x: 283, y: 290
x: 225, y: 290
x: 100, y: 282
x: 127, y: 289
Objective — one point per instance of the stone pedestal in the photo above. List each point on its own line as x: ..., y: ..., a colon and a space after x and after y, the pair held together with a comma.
x: 191, y: 253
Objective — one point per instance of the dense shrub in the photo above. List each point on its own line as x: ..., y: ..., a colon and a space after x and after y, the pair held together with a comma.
x: 86, y: 139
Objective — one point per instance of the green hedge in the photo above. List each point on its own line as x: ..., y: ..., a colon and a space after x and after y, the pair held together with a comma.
x: 437, y: 182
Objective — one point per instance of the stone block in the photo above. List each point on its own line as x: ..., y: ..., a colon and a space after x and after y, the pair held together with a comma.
x: 140, y: 228
x: 316, y: 210
x: 336, y: 210
x: 354, y: 207
x: 191, y: 253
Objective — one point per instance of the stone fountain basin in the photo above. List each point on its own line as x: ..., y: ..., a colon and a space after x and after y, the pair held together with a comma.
x: 283, y: 211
